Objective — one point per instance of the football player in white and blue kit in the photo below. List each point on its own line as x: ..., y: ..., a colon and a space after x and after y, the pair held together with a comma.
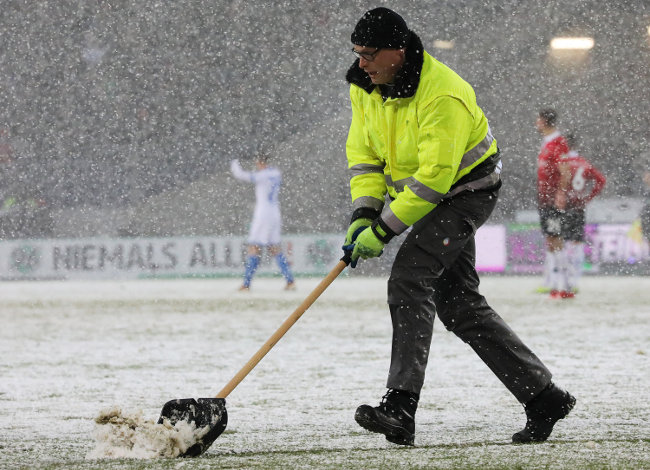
x: 267, y: 221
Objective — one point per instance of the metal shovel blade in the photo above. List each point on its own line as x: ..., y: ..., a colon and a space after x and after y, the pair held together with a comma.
x: 202, y: 412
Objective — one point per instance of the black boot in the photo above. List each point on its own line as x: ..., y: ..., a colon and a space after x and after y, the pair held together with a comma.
x: 394, y: 417
x: 542, y: 412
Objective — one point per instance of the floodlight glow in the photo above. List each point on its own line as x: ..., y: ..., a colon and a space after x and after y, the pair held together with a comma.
x: 572, y: 43
x: 440, y: 44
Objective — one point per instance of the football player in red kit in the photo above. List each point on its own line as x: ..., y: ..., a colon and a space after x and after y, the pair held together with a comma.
x: 551, y: 200
x: 584, y: 183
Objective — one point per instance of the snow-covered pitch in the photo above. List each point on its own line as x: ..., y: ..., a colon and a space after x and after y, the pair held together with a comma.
x: 72, y: 349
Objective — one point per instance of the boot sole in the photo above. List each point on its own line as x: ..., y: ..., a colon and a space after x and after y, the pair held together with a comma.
x: 394, y: 434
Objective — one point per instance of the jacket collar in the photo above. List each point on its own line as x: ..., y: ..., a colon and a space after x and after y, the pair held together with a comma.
x: 407, y: 79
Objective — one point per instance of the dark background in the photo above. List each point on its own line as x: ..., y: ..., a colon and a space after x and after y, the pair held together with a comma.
x: 120, y: 117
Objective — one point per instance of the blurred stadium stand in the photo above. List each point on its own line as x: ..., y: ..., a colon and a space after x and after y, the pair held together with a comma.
x: 122, y: 116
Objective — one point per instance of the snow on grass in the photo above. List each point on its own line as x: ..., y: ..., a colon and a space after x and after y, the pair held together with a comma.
x: 72, y: 349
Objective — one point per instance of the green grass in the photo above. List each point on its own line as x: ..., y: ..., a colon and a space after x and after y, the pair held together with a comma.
x: 555, y: 454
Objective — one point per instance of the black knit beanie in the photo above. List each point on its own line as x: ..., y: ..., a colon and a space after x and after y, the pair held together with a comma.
x: 382, y: 28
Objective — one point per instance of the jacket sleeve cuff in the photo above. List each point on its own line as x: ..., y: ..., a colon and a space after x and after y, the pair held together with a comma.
x: 364, y: 212
x: 381, y: 230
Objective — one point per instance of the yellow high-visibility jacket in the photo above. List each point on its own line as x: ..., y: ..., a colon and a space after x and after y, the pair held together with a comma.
x: 416, y: 146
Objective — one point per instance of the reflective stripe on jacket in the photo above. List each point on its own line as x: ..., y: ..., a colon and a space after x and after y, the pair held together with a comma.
x: 416, y: 148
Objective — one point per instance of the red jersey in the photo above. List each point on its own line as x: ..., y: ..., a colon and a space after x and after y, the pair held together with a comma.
x: 586, y: 181
x: 554, y: 148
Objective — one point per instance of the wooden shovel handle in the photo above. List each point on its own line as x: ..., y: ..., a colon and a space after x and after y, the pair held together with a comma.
x: 288, y: 323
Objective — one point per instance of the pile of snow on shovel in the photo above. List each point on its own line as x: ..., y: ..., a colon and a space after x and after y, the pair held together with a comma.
x: 128, y: 435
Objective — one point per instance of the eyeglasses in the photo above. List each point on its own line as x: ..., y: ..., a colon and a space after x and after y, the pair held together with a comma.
x: 368, y: 56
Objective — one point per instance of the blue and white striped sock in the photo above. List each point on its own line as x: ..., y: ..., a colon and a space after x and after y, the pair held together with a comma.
x: 252, y: 262
x: 284, y: 267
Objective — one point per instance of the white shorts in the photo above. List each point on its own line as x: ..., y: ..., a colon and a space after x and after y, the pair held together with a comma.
x: 265, y: 228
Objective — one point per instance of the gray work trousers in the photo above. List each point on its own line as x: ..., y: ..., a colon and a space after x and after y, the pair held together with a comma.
x: 434, y: 272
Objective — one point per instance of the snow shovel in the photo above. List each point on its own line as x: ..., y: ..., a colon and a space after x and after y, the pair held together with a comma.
x: 209, y: 415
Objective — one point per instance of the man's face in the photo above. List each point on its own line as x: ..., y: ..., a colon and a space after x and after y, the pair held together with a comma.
x: 384, y: 63
x: 541, y: 125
